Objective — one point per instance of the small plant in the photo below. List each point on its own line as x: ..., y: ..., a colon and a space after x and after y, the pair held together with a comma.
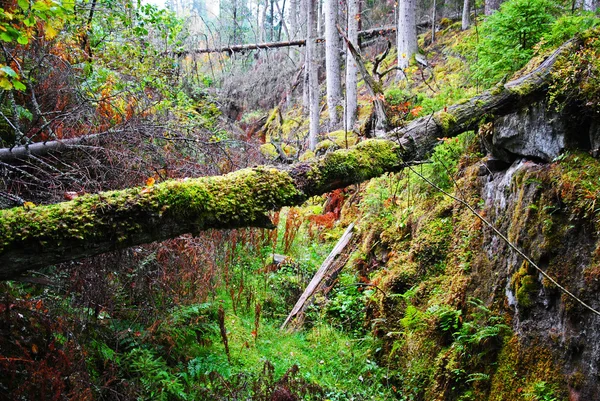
x: 541, y: 391
x: 481, y: 334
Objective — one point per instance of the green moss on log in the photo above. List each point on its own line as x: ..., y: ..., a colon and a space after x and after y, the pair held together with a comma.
x: 445, y: 121
x: 196, y: 204
x: 338, y: 169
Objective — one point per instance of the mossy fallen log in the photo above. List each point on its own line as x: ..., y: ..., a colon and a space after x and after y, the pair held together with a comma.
x: 37, y: 236
x: 420, y: 136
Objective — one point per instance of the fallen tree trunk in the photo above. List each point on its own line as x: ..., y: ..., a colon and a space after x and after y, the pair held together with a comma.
x: 296, y: 315
x: 366, y: 34
x: 43, y: 148
x: 35, y: 237
x: 455, y: 119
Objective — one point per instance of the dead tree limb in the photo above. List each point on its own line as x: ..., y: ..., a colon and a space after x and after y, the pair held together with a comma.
x: 497, y: 102
x: 367, y: 34
x: 375, y: 88
x: 309, y: 291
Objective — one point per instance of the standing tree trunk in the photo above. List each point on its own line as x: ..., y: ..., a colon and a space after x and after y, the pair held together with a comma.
x: 333, y: 63
x: 466, y: 20
x: 407, y: 31
x: 351, y: 68
x: 263, y: 22
x: 313, y: 82
x: 491, y: 6
x: 293, y: 19
x: 590, y: 5
x: 272, y: 15
x: 433, y: 16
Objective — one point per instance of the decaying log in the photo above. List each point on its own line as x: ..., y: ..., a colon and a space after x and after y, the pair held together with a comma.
x: 366, y: 34
x: 375, y: 88
x: 420, y: 136
x: 34, y: 237
x: 317, y: 279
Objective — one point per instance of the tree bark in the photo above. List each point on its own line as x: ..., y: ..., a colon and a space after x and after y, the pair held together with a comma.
x: 491, y: 6
x: 333, y: 63
x: 407, y: 32
x: 375, y: 90
x: 363, y: 35
x: 313, y: 81
x: 466, y: 18
x: 293, y: 16
x: 34, y: 237
x: 353, y: 17
x: 296, y: 315
x: 590, y: 5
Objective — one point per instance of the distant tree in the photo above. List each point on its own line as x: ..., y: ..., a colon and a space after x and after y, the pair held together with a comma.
x: 492, y: 5
x: 407, y: 31
x: 590, y: 5
x: 353, y: 18
x: 466, y: 18
x: 333, y: 62
x: 312, y: 70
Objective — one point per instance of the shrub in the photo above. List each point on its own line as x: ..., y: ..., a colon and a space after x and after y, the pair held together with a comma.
x: 509, y: 37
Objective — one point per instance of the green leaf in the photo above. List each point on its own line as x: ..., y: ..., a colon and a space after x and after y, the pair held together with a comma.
x: 40, y: 6
x: 21, y: 86
x: 23, y: 40
x: 29, y: 21
x: 9, y: 71
x: 24, y: 4
x: 4, y: 36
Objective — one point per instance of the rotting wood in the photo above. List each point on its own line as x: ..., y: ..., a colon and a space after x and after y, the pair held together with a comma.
x: 319, y: 276
x: 36, y: 236
x: 366, y: 34
x: 375, y: 88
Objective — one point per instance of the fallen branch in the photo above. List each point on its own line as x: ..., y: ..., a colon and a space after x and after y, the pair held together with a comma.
x: 366, y: 34
x: 317, y: 279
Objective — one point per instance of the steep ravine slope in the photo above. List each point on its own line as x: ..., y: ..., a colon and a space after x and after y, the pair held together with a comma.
x: 461, y: 315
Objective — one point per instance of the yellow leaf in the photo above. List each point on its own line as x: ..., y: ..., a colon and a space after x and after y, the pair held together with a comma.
x: 150, y: 181
x: 28, y: 205
x: 50, y: 32
x: 5, y: 84
x: 34, y: 349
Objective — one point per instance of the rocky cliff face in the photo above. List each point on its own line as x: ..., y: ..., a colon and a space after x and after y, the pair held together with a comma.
x: 464, y: 317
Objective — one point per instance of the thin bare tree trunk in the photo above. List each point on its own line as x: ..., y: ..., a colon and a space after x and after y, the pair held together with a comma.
x: 313, y: 82
x: 353, y: 17
x: 333, y: 63
x: 433, y: 17
x: 293, y: 14
x: 466, y: 17
x: 407, y: 32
